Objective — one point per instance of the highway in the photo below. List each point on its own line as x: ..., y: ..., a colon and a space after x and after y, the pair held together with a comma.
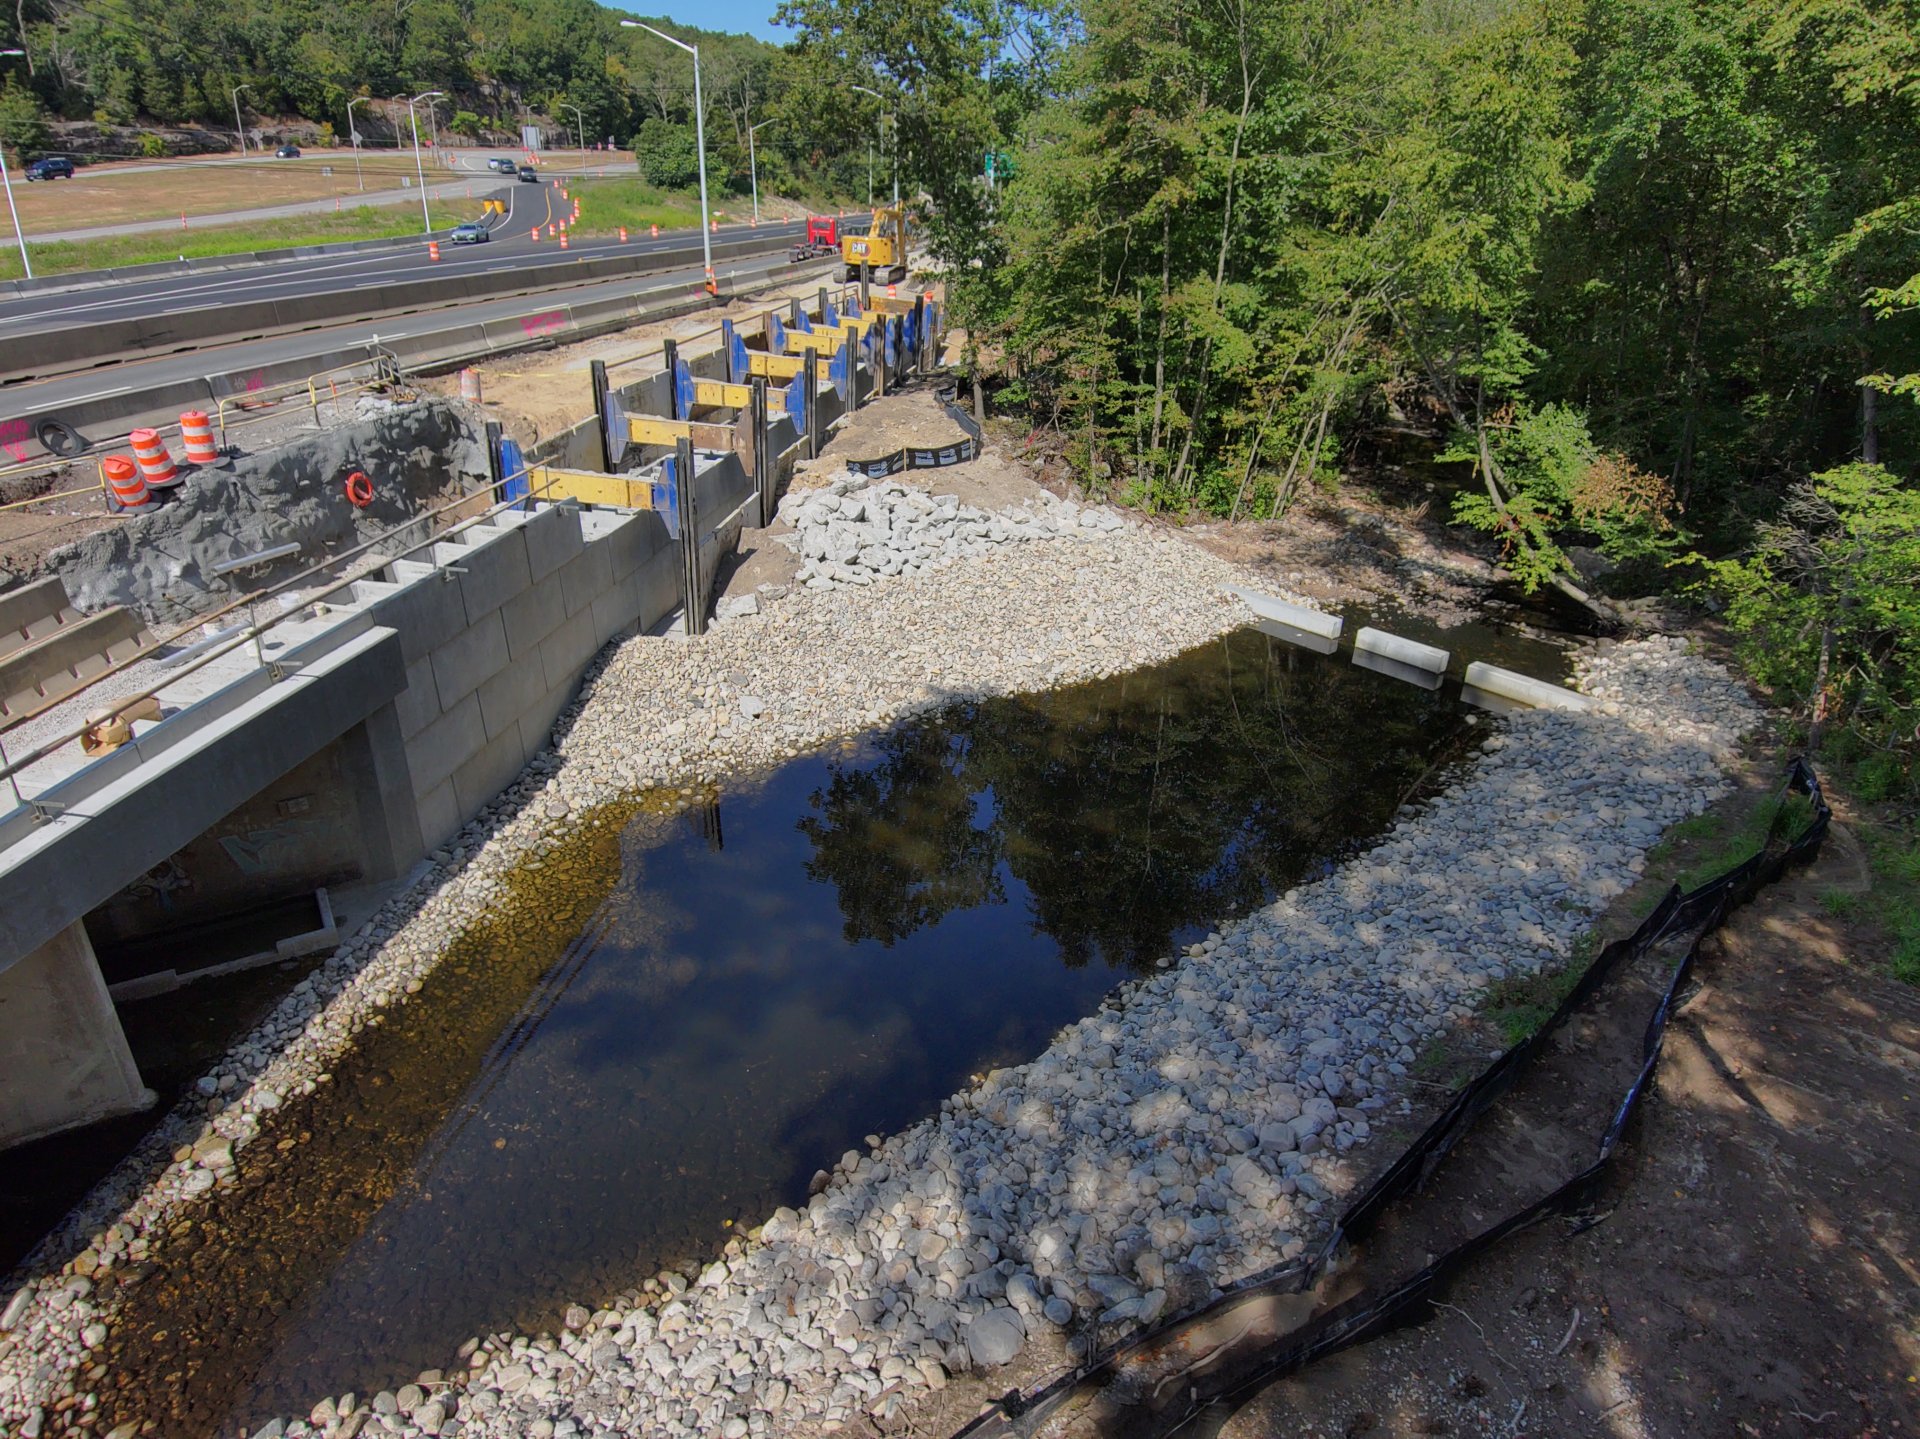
x: 511, y: 249
x: 102, y: 402
x: 446, y: 181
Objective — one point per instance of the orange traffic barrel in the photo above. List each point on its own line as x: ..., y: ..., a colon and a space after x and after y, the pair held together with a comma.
x: 150, y: 454
x: 196, y: 434
x: 433, y: 249
x: 893, y: 292
x: 536, y: 234
x: 563, y: 239
x: 124, y: 485
x: 623, y: 234
x: 656, y: 232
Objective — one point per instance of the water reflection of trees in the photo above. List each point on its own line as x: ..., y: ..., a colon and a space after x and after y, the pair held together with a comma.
x: 1130, y: 807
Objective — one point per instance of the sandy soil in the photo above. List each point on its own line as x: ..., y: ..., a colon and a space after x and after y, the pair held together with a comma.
x: 1360, y: 546
x: 27, y: 535
x: 541, y: 392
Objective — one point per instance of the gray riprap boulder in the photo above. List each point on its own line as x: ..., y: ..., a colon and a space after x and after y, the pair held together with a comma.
x: 995, y: 1337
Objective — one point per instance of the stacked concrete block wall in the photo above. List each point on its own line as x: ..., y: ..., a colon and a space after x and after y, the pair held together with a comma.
x: 497, y: 626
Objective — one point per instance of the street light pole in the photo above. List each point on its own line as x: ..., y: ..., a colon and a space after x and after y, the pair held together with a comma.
x: 354, y: 136
x: 6, y: 180
x: 239, y: 129
x: 700, y: 143
x: 753, y: 166
x: 426, y: 219
x: 893, y: 120
x: 583, y: 131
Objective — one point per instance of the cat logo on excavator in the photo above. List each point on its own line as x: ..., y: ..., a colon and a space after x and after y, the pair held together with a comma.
x: 882, y: 248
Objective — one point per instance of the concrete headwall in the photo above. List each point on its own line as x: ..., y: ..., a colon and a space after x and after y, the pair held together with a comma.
x: 161, y: 563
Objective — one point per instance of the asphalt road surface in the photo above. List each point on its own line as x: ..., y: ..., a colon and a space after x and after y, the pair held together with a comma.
x: 49, y: 397
x: 511, y: 248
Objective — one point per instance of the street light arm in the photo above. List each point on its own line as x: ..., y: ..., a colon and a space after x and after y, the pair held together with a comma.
x: 641, y: 25
x: 699, y: 141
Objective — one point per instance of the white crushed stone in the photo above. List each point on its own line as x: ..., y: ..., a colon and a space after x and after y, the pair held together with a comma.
x: 855, y: 531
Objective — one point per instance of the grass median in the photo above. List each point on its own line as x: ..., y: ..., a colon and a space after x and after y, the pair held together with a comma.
x: 606, y: 205
x: 366, y: 222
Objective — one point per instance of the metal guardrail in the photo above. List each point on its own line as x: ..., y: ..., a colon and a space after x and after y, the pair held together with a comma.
x: 250, y: 631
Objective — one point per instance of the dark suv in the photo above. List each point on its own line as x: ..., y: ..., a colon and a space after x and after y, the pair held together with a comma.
x: 529, y: 175
x: 54, y: 167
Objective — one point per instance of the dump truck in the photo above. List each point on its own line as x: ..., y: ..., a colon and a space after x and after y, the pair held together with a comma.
x: 882, y: 249
x: 823, y: 239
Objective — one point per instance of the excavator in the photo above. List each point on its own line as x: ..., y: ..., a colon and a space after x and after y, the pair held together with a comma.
x: 882, y: 248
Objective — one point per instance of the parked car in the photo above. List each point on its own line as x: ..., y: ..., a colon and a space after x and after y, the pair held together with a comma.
x: 529, y: 175
x: 287, y: 152
x: 471, y: 233
x: 502, y: 164
x: 53, y: 167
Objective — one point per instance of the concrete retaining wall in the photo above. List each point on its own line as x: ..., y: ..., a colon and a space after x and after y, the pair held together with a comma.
x: 496, y: 630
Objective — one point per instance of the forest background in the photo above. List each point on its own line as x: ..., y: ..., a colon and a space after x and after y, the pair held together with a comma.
x: 1640, y: 275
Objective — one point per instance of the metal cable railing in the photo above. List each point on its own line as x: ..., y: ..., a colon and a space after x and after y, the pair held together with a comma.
x: 251, y: 631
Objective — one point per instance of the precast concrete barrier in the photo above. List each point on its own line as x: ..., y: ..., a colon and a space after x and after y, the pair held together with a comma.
x: 1408, y: 652
x: 1519, y: 689
x: 62, y: 350
x: 163, y: 400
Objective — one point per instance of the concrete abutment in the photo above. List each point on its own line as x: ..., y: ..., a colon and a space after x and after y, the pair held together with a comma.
x: 64, y: 1059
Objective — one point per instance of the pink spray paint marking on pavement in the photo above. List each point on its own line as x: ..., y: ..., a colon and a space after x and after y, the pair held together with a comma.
x: 14, y: 435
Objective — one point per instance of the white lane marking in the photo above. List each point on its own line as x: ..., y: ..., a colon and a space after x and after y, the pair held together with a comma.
x: 96, y: 395
x: 389, y: 268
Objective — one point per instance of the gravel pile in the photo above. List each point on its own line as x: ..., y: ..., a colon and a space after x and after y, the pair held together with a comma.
x: 1189, y: 1133
x: 856, y: 531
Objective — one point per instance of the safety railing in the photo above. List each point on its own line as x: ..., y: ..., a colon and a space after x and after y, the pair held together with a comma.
x: 252, y: 629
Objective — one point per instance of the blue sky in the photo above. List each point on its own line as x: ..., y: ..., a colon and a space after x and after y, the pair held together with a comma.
x: 742, y: 17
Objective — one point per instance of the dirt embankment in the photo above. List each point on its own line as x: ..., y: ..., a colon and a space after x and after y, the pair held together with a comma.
x: 1755, y: 1267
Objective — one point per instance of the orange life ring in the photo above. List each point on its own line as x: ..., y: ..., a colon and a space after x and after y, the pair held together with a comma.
x: 359, y: 490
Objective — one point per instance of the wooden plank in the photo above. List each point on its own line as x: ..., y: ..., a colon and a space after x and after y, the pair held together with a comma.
x: 717, y: 392
x: 646, y: 430
x: 826, y: 339
x: 549, y: 483
x: 774, y: 367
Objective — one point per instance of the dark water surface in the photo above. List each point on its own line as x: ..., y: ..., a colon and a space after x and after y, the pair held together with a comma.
x: 702, y: 998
